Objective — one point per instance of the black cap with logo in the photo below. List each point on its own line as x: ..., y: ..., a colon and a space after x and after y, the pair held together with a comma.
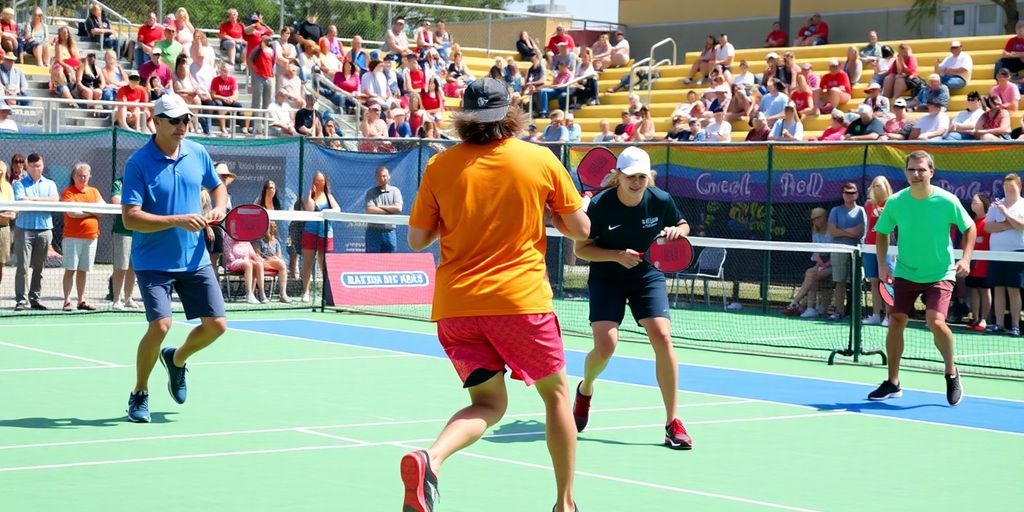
x: 486, y: 100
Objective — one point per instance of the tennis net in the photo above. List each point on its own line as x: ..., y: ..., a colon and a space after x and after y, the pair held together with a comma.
x: 738, y: 295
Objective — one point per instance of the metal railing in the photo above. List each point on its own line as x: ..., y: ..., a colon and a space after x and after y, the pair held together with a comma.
x: 54, y: 111
x: 651, y: 70
x: 569, y: 88
x: 663, y: 42
x: 633, y: 68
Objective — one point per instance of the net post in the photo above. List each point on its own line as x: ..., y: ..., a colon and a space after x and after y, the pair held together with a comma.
x: 113, y: 153
x: 767, y: 259
x: 855, y: 303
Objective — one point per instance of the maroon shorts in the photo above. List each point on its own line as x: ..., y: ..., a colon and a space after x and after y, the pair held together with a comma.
x: 482, y: 346
x: 936, y: 296
x: 312, y: 242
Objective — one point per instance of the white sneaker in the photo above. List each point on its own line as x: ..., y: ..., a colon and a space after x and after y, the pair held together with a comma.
x: 698, y: 82
x: 131, y: 304
x: 286, y: 299
x: 686, y: 81
x: 872, y: 320
x: 734, y: 306
x: 264, y: 300
x: 117, y: 306
x: 885, y: 322
x: 835, y: 317
x: 252, y: 299
x: 809, y: 313
x: 305, y: 297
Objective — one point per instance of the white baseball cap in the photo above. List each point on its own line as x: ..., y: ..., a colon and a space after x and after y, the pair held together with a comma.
x: 633, y: 160
x: 170, y: 105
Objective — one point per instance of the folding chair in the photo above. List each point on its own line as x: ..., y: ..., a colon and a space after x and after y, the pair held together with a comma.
x: 710, y: 265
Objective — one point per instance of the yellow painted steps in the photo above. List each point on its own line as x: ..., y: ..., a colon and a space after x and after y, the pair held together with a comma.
x: 971, y: 44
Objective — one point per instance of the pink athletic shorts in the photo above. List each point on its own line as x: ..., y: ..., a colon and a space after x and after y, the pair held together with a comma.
x: 482, y: 346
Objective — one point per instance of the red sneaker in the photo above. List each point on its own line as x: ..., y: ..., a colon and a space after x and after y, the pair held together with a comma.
x: 676, y: 436
x: 581, y: 409
x: 420, y: 482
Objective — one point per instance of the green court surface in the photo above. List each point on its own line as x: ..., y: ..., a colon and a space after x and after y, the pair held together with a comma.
x: 279, y: 422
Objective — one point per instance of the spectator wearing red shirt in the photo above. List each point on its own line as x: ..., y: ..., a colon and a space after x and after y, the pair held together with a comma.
x: 156, y: 67
x: 231, y: 34
x: 813, y: 33
x: 254, y: 34
x: 130, y: 117
x: 977, y: 285
x: 835, y: 130
x: 148, y: 35
x: 9, y: 39
x: 262, y: 71
x: 559, y: 37
x: 777, y: 37
x: 835, y: 88
x: 348, y: 80
x: 1013, y: 53
x: 224, y: 92
x: 433, y: 98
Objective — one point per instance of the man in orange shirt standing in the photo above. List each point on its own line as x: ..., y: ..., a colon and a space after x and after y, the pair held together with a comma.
x: 81, y: 230
x: 485, y: 199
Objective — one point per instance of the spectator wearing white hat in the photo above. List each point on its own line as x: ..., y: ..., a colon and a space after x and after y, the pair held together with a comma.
x: 12, y: 80
x: 788, y: 127
x: 7, y: 125
x: 876, y: 101
x: 720, y: 130
x: 866, y: 126
x: 899, y: 125
x: 399, y: 127
x: 955, y: 70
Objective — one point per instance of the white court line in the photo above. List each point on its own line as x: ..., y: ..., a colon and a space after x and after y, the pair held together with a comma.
x: 389, y: 422
x: 60, y: 354
x: 307, y: 430
x: 761, y: 372
x: 331, y: 436
x: 141, y: 322
x: 990, y: 354
x: 216, y: 363
x: 787, y: 404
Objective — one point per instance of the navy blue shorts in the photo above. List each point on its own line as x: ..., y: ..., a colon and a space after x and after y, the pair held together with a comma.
x: 198, y: 290
x: 646, y: 296
x: 1006, y: 273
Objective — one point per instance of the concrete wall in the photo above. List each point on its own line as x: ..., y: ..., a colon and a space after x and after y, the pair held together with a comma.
x: 504, y: 33
x: 650, y: 12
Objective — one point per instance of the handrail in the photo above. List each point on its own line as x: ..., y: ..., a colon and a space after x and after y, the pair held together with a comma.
x: 475, y: 9
x: 319, y: 78
x: 633, y: 68
x: 667, y: 40
x: 650, y: 76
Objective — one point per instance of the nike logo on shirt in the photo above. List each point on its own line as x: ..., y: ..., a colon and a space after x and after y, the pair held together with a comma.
x: 613, y: 227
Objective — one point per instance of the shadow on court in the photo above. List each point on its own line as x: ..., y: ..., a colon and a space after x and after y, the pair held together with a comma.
x: 66, y: 423
x: 872, y: 406
x: 528, y: 431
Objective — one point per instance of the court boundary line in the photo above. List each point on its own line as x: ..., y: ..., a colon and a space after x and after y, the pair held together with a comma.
x: 59, y: 354
x: 87, y: 442
x: 879, y: 416
x: 699, y: 365
x: 215, y: 363
x: 412, y: 444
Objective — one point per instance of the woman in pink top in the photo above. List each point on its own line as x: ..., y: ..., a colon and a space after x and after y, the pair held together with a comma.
x: 904, y: 67
x: 242, y: 258
x: 836, y: 129
x: 1006, y: 90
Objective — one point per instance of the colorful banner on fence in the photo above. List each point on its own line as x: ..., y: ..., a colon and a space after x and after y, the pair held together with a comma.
x: 962, y: 169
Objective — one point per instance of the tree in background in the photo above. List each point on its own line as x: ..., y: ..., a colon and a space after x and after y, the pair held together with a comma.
x: 929, y: 9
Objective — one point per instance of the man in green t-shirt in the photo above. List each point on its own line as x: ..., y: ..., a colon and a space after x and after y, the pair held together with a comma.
x: 123, y: 279
x: 925, y: 266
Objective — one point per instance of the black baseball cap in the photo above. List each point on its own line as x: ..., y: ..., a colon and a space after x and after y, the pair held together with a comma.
x: 486, y: 100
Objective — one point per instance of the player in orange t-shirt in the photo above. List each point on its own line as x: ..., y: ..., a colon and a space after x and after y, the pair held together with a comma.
x: 80, y: 233
x: 485, y: 200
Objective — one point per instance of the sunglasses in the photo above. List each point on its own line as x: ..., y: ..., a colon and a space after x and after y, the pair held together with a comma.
x: 175, y: 121
x: 850, y: 192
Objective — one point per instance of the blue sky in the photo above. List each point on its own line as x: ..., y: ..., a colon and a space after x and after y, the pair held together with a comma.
x: 600, y: 10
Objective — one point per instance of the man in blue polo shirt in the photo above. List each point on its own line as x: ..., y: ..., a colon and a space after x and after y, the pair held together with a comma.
x: 160, y: 204
x: 34, y: 234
